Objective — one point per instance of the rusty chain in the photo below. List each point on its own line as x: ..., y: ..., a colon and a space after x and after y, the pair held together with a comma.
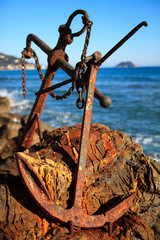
x: 24, y: 91
x: 84, y: 52
x: 57, y: 97
x: 52, y: 94
x: 37, y: 64
x: 81, y: 67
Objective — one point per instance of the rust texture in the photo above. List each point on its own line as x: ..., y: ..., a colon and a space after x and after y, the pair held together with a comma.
x: 115, y: 168
x: 83, y: 77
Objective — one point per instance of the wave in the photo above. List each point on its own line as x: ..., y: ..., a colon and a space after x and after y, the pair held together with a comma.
x: 155, y: 156
x: 149, y: 86
x: 11, y: 95
x: 143, y: 139
x: 17, y: 106
x: 149, y: 143
x: 59, y: 119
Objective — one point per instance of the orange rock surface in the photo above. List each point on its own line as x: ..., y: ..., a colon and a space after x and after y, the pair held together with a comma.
x: 116, y: 167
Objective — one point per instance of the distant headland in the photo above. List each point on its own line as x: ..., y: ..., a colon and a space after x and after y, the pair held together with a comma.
x: 126, y: 64
x: 8, y: 62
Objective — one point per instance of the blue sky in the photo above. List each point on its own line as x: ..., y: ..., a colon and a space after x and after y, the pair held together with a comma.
x: 112, y: 20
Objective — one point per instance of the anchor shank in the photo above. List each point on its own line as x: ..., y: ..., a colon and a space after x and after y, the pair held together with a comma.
x: 85, y: 137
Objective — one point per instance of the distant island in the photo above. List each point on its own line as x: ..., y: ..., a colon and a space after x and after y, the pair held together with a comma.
x: 8, y: 62
x: 126, y: 64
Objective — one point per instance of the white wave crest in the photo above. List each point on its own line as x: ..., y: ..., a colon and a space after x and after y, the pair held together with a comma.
x: 18, y: 106
x: 11, y: 95
x: 58, y: 119
x: 146, y: 140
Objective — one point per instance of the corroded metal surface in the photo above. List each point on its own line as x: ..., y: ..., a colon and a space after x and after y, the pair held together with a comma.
x: 83, y: 77
x: 76, y: 214
x: 84, y: 138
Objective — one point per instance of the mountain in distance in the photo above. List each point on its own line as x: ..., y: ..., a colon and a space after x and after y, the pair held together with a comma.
x: 8, y: 62
x: 127, y: 64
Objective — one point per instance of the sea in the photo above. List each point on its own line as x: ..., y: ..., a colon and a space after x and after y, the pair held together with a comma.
x: 135, y: 108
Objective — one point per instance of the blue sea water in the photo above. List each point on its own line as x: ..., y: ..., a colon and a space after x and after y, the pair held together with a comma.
x: 135, y: 108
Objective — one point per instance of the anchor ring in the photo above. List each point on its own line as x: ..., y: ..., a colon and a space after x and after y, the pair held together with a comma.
x: 85, y: 19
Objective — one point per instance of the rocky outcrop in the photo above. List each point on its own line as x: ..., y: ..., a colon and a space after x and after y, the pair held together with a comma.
x: 11, y: 128
x: 4, y: 105
x: 126, y: 64
x: 8, y: 62
x: 116, y: 167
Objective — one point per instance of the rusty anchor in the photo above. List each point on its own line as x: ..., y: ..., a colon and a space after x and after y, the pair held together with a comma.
x: 83, y: 77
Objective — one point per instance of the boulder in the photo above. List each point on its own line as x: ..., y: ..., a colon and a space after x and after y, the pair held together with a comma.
x: 4, y: 105
x: 45, y: 128
x: 11, y: 129
x: 116, y: 167
x: 6, y: 118
x: 7, y: 147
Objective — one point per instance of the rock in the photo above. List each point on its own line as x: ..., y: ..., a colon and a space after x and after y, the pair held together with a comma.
x: 9, y: 118
x: 116, y: 166
x: 8, y: 62
x: 126, y: 64
x: 4, y: 105
x: 8, y: 147
x: 44, y: 126
x: 9, y: 130
x: 3, y: 143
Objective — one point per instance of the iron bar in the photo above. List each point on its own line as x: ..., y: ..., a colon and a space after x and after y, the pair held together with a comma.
x: 39, y: 128
x: 29, y: 131
x: 85, y: 137
x: 66, y: 67
x: 120, y: 43
x: 58, y: 85
x: 42, y: 45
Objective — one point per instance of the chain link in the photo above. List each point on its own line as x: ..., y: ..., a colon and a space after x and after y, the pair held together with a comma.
x: 58, y: 97
x: 52, y: 94
x: 84, y: 52
x: 80, y: 101
x: 81, y: 67
x: 24, y: 91
x: 37, y: 64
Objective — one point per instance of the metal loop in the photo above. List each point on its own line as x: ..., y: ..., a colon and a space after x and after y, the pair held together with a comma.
x: 78, y: 103
x: 85, y: 20
x: 23, y: 84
